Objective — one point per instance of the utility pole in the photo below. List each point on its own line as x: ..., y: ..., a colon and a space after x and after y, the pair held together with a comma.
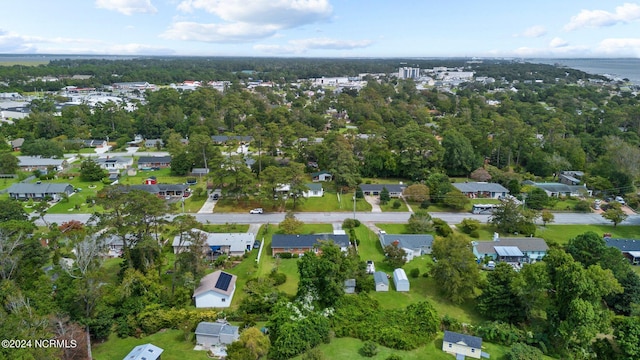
x: 354, y: 206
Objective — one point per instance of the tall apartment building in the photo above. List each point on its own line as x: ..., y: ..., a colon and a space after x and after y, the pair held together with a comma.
x: 408, y: 73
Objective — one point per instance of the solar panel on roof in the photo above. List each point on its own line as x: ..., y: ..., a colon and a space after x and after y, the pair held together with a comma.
x: 223, y: 281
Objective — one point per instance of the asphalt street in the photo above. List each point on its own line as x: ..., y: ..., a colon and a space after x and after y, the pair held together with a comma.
x: 335, y: 217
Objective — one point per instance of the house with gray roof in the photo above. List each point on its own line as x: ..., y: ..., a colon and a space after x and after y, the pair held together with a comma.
x: 39, y: 190
x: 462, y: 345
x: 215, y: 290
x: 150, y: 162
x: 210, y: 334
x: 234, y: 244
x: 299, y: 244
x: 31, y: 163
x: 381, y: 280
x: 314, y: 190
x: 115, y: 163
x: 484, y: 190
x: 321, y: 176
x: 395, y: 190
x: 511, y: 249
x: 630, y: 248
x: 413, y: 244
x: 16, y: 144
x: 145, y: 352
x: 350, y: 286
x: 153, y: 143
x: 162, y: 190
x: 223, y: 139
x: 556, y: 189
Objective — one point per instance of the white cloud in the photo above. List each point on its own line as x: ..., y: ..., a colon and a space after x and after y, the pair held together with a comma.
x: 620, y: 47
x: 127, y: 7
x: 625, y: 13
x: 300, y: 46
x: 246, y: 20
x: 218, y: 33
x: 16, y: 43
x: 558, y: 42
x: 533, y: 32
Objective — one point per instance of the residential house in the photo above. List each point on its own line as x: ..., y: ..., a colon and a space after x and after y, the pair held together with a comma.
x: 153, y: 143
x: 32, y: 163
x: 210, y: 334
x: 233, y: 244
x: 413, y: 244
x: 511, y: 249
x: 381, y: 280
x: 94, y: 143
x: 400, y: 280
x: 199, y: 171
x: 321, y: 176
x: 224, y: 139
x: 39, y: 191
x: 568, y: 180
x: 558, y: 189
x: 215, y: 290
x: 299, y: 244
x: 115, y: 163
x: 395, y: 190
x: 16, y: 144
x: 153, y: 162
x: 145, y: 352
x: 462, y: 345
x: 350, y: 286
x: 315, y: 190
x: 482, y: 190
x: 163, y: 190
x: 630, y: 248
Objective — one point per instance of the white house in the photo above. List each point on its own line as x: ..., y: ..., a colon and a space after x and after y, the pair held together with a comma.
x: 321, y: 176
x: 215, y: 290
x: 216, y: 333
x: 462, y: 345
x: 401, y: 280
x: 315, y: 190
x: 144, y: 352
x: 234, y: 244
x: 381, y: 281
x: 115, y: 163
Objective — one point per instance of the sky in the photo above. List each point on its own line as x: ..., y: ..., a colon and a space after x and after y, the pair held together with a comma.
x: 323, y: 28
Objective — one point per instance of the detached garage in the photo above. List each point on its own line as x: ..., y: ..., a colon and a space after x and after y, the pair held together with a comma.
x: 401, y: 280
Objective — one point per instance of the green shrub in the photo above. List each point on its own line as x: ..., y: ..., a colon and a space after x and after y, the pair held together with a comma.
x: 442, y: 228
x: 450, y: 323
x: 425, y: 204
x: 393, y: 357
x: 369, y: 349
x: 522, y: 351
x: 474, y: 234
x: 278, y: 278
x: 313, y: 354
x: 414, y: 273
x: 396, y: 204
x: 285, y: 255
x: 468, y: 225
x: 582, y: 206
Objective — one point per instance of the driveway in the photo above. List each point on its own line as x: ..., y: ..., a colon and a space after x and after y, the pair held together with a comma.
x: 375, y: 203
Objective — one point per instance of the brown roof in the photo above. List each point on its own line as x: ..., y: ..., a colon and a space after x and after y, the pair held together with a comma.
x: 209, y: 282
x: 524, y: 244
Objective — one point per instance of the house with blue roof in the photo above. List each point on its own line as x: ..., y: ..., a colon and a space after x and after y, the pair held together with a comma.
x: 413, y: 244
x: 462, y: 345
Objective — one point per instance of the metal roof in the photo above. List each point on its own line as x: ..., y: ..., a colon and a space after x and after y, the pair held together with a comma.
x: 42, y: 188
x: 380, y: 277
x: 624, y: 245
x: 144, y: 352
x: 525, y: 244
x: 472, y: 187
x: 635, y: 254
x: 306, y: 241
x: 407, y: 241
x: 467, y: 340
x: 508, y: 251
x: 154, y: 159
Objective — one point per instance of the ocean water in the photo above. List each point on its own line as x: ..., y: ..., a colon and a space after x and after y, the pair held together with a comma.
x: 624, y: 68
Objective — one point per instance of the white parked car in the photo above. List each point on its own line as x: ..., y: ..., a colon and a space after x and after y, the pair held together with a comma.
x: 256, y: 211
x: 371, y: 268
x: 620, y: 200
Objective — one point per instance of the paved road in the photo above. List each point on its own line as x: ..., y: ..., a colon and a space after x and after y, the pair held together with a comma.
x: 336, y: 217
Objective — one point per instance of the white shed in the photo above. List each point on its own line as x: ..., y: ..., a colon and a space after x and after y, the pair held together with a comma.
x: 381, y: 280
x: 401, y: 280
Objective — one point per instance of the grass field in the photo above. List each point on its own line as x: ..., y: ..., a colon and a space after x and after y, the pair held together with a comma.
x: 171, y: 341
x: 226, y: 228
x: 348, y: 348
x: 561, y: 234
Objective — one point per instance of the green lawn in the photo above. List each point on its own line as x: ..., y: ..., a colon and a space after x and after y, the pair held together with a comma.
x: 171, y: 341
x: 348, y: 348
x: 561, y: 234
x: 226, y: 228
x: 389, y: 206
x: 393, y: 228
x: 77, y: 202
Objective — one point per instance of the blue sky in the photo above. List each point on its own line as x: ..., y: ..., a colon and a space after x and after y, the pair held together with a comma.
x: 323, y: 28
